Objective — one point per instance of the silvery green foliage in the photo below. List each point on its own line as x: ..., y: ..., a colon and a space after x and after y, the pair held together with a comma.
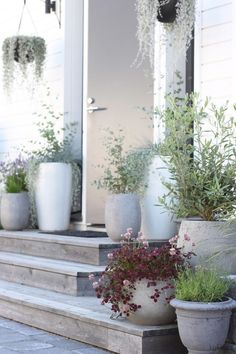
x: 199, y: 150
x: 125, y: 171
x: 20, y: 53
x: 55, y: 146
x: 179, y: 33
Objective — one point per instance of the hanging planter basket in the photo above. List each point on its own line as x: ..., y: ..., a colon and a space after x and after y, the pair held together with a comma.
x: 18, y: 53
x: 167, y: 11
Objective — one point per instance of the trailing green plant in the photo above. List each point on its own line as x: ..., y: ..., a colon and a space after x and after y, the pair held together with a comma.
x: 13, y: 175
x: 201, y: 285
x: 54, y: 145
x: 179, y: 33
x: 199, y: 150
x: 20, y: 53
x: 124, y: 171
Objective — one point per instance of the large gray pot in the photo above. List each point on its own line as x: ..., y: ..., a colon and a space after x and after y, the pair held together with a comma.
x: 15, y: 211
x: 203, y: 327
x: 215, y: 243
x: 122, y: 211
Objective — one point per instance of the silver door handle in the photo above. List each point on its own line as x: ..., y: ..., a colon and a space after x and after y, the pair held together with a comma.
x: 92, y: 109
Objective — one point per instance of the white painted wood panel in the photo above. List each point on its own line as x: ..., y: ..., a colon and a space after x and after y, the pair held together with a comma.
x: 216, y: 16
x: 216, y: 34
x: 214, y: 58
x: 209, y: 4
x: 16, y: 115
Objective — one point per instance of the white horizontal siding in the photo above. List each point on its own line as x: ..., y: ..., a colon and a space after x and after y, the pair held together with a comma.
x: 17, y: 114
x: 214, y: 60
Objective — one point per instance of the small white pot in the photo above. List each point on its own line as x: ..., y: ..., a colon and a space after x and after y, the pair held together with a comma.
x: 53, y: 196
x: 151, y: 313
x: 15, y: 211
x: 203, y: 327
x: 122, y: 211
x: 157, y: 222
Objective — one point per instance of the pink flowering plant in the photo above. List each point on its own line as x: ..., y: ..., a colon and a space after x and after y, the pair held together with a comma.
x: 135, y: 261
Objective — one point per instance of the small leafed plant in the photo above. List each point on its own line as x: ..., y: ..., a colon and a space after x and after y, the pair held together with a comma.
x: 135, y: 261
x: 201, y: 285
x: 125, y: 170
x: 13, y: 175
x: 20, y: 53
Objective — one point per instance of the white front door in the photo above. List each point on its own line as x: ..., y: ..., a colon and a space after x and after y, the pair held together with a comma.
x: 111, y: 82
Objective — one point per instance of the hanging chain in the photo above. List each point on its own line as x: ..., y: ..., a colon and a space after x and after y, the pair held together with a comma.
x: 22, y: 14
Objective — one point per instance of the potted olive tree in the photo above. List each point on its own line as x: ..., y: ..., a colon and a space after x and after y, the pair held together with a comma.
x: 20, y: 54
x: 199, y: 150
x: 124, y: 177
x: 203, y: 310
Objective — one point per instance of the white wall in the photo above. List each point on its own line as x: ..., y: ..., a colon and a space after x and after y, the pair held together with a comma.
x: 16, y: 114
x: 215, y: 73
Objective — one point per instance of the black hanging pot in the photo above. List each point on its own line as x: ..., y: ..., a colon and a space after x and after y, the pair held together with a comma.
x: 167, y: 11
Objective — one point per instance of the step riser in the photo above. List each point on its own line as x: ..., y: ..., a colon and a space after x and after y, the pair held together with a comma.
x: 66, y: 284
x: 98, y: 335
x: 66, y: 252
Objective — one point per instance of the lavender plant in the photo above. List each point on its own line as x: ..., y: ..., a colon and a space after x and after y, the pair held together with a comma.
x: 13, y: 175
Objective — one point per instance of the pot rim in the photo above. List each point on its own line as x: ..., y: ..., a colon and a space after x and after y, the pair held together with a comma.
x: 228, y: 304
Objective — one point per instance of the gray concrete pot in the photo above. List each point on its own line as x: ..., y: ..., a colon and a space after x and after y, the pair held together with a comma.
x: 203, y: 327
x: 15, y: 211
x: 215, y: 242
x: 121, y: 212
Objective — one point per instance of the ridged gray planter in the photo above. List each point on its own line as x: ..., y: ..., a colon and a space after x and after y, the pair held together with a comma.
x: 203, y: 327
x: 15, y: 211
x: 211, y: 238
x: 121, y: 212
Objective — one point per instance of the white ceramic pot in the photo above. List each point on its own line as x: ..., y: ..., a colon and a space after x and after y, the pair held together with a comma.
x: 15, y: 211
x: 211, y: 238
x: 122, y: 211
x: 157, y: 222
x: 53, y: 196
x: 151, y: 313
x: 203, y: 327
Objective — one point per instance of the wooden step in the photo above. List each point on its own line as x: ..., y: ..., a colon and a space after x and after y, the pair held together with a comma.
x: 67, y: 248
x: 56, y: 275
x: 84, y: 319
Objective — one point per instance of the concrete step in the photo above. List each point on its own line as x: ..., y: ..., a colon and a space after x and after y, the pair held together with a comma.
x: 84, y: 319
x: 56, y: 275
x: 67, y: 248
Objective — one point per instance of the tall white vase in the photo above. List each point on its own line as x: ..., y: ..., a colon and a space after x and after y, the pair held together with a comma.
x: 157, y: 222
x: 53, y: 196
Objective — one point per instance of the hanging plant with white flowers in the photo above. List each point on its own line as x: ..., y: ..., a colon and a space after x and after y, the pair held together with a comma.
x: 178, y: 33
x: 20, y: 54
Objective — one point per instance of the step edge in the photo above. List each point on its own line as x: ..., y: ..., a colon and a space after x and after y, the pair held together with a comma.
x: 26, y: 263
x: 50, y: 306
x: 54, y: 239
